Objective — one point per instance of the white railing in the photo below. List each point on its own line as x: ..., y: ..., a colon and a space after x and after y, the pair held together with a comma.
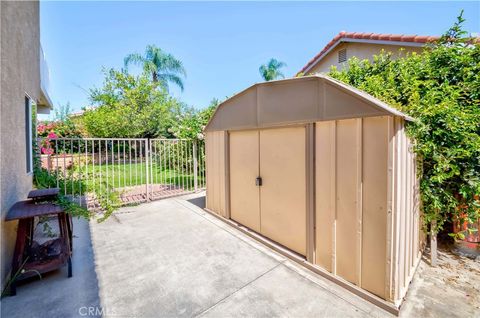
x: 128, y: 169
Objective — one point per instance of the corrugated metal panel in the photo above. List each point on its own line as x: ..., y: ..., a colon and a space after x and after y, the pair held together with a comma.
x: 347, y: 192
x: 215, y: 152
x: 360, y: 182
x: 391, y: 236
x: 240, y: 113
x: 395, y: 282
x: 223, y: 154
x: 244, y: 169
x: 283, y: 193
x: 271, y: 98
x: 216, y: 173
x: 325, y: 179
x: 375, y: 187
x: 209, y: 169
x: 339, y: 104
x: 407, y: 213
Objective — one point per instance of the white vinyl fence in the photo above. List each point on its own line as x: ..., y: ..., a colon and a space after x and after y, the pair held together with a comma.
x: 131, y: 170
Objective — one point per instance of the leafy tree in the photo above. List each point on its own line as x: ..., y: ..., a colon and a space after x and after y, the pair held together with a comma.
x: 130, y: 106
x: 190, y: 124
x: 271, y: 70
x: 163, y: 67
x: 440, y: 88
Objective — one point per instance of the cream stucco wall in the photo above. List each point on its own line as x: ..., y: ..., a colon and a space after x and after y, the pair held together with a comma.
x: 360, y: 50
x: 20, y: 75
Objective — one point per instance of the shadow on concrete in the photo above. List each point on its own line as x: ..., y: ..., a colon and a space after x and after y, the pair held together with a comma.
x: 56, y: 295
x: 200, y: 202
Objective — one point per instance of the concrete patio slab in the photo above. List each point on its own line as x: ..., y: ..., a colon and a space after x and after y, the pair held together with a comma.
x: 170, y: 258
x: 169, y: 261
x: 281, y: 292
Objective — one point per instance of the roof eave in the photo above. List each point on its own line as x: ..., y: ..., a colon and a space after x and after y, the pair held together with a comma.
x: 311, y: 65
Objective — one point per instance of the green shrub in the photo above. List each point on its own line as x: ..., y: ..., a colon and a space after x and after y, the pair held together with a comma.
x: 440, y: 88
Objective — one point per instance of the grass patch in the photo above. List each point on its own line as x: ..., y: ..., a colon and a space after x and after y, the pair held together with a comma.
x: 126, y: 175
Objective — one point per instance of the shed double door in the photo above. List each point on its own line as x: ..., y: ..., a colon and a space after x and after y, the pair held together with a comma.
x: 276, y: 207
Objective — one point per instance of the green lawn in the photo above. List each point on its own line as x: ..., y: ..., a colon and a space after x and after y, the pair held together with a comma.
x: 120, y: 175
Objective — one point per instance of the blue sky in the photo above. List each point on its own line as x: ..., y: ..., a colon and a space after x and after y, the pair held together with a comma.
x: 221, y: 44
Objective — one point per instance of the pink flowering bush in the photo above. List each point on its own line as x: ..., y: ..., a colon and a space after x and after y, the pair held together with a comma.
x: 44, y: 128
x: 47, y: 150
x: 49, y: 131
x: 59, y: 129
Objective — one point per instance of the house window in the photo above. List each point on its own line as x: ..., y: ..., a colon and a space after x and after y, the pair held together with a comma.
x: 29, y: 126
x: 342, y: 55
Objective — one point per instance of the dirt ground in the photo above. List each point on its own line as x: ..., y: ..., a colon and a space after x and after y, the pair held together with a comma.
x: 452, y: 289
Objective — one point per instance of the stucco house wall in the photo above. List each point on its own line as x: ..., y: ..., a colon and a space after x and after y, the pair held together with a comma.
x: 20, y: 76
x: 361, y: 51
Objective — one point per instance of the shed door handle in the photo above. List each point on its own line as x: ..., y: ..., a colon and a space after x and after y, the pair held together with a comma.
x: 258, y: 181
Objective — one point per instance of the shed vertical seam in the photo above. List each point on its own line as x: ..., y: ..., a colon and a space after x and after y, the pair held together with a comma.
x: 359, y: 203
x: 259, y: 174
x: 333, y: 185
x: 310, y: 190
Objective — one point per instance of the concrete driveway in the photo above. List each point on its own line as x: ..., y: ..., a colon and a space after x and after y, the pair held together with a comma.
x: 169, y: 258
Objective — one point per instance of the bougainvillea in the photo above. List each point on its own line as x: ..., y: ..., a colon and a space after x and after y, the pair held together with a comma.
x: 51, y: 130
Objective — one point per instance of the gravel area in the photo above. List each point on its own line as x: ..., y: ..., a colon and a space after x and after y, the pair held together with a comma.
x: 452, y: 289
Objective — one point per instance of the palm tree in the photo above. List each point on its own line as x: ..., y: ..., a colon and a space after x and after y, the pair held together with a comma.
x: 163, y: 67
x: 271, y: 70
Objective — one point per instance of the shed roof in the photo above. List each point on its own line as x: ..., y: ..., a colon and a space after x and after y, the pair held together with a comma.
x: 297, y: 100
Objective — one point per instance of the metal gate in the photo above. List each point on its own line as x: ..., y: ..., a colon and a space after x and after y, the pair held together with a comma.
x: 177, y: 166
x: 128, y: 170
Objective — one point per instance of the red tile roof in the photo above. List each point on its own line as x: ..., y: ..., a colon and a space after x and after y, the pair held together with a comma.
x: 344, y: 36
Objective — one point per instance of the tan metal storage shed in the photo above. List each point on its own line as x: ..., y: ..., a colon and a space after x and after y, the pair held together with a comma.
x: 325, y: 174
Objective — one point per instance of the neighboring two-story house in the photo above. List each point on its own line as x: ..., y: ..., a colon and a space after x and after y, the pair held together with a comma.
x: 363, y: 46
x: 23, y: 92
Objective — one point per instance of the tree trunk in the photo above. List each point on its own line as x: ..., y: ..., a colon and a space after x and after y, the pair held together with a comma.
x: 433, y: 244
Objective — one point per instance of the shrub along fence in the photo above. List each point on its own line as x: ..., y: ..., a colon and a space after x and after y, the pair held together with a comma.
x: 125, y: 170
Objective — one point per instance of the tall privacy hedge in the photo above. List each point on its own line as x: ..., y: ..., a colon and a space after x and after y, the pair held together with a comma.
x: 440, y: 88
